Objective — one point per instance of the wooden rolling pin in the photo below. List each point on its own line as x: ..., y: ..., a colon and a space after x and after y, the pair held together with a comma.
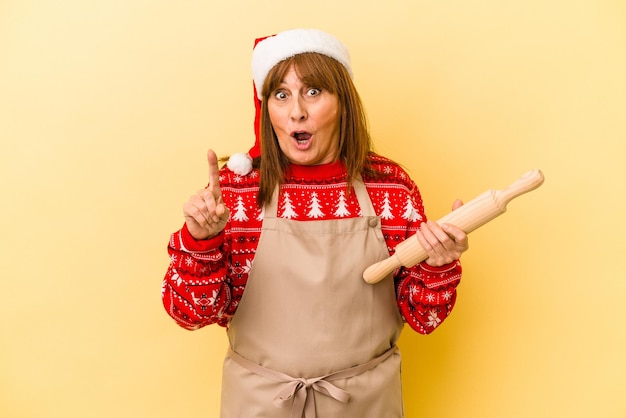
x: 468, y: 217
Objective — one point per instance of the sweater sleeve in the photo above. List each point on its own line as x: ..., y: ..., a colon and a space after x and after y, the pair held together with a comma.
x: 195, y: 291
x: 426, y: 294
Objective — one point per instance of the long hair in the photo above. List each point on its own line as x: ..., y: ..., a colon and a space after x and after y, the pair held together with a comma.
x: 355, y: 144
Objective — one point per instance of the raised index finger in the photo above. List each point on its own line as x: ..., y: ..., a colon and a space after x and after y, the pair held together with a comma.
x: 214, y: 175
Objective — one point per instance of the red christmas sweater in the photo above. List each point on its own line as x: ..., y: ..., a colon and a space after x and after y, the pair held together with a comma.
x: 206, y: 279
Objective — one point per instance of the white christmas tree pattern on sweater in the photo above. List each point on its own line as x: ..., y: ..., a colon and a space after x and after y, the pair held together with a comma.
x: 288, y: 208
x: 316, y: 210
x: 240, y: 211
x: 342, y: 209
x: 410, y: 214
x: 386, y: 213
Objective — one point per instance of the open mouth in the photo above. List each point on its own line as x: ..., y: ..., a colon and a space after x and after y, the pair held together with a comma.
x: 303, y: 139
x: 301, y: 136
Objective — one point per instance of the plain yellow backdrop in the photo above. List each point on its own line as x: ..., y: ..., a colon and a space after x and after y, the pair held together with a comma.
x: 107, y: 109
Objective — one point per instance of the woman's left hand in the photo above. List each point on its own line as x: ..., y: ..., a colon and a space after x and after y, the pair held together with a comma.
x: 443, y: 243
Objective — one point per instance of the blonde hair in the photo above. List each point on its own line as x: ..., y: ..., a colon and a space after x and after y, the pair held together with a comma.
x: 328, y: 74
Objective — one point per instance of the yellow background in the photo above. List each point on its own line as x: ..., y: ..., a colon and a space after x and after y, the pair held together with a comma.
x: 107, y: 109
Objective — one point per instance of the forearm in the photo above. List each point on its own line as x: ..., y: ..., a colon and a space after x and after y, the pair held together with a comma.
x: 195, y: 290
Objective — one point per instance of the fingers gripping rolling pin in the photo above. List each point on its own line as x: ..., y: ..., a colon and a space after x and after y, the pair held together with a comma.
x: 468, y: 217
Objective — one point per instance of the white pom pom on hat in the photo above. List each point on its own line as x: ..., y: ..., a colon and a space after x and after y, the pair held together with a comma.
x: 268, y: 52
x: 240, y: 163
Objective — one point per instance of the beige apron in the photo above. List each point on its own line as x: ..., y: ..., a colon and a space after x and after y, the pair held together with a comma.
x: 310, y: 338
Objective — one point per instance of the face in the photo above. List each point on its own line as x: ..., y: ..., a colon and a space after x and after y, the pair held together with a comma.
x: 306, y: 121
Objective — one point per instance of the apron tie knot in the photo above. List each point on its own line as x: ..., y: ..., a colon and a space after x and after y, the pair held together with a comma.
x: 296, y: 393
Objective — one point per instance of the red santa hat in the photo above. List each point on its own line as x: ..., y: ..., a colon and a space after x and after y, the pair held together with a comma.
x: 268, y: 52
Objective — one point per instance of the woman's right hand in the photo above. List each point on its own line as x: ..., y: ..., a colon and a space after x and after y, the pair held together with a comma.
x: 205, y: 212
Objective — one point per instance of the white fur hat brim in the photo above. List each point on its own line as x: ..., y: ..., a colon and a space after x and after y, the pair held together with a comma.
x: 275, y: 49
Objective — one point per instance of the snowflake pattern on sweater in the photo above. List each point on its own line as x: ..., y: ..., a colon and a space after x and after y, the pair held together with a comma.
x: 206, y: 279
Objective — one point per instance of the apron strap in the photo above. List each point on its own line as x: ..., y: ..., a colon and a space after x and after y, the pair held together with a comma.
x: 292, y: 391
x: 367, y: 209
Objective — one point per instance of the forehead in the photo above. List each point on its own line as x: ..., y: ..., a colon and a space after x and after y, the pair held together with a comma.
x: 310, y: 69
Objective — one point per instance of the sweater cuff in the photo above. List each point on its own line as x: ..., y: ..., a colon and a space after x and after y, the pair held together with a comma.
x: 445, y: 275
x: 192, y: 245
x: 441, y: 269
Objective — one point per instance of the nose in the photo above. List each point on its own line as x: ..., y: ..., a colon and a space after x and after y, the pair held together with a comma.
x: 298, y: 109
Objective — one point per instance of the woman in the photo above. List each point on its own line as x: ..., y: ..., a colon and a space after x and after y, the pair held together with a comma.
x: 275, y: 250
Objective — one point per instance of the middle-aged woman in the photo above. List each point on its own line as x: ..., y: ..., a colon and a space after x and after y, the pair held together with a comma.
x: 274, y: 249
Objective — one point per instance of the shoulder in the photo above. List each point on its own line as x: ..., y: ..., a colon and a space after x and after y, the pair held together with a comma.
x: 383, y: 170
x: 395, y: 196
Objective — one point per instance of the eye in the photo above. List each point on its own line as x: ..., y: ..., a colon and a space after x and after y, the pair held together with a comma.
x: 312, y: 92
x: 280, y: 95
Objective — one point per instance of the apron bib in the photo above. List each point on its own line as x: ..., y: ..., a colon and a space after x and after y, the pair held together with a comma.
x: 310, y: 338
